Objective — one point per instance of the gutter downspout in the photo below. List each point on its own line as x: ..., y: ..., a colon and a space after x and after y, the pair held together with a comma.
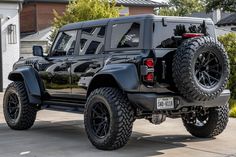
x: 1, y: 81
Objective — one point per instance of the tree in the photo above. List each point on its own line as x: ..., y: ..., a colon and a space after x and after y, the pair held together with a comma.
x: 226, y: 5
x: 182, y: 7
x: 83, y: 10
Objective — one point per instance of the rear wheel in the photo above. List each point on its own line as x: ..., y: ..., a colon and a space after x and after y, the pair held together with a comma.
x: 18, y: 113
x: 108, y: 118
x: 207, y: 123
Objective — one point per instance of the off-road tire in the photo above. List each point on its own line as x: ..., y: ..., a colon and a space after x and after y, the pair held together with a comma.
x: 121, y: 118
x: 27, y: 113
x: 184, y: 64
x: 218, y: 119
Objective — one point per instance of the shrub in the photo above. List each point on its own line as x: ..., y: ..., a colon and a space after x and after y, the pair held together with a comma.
x: 229, y: 42
x: 232, y: 112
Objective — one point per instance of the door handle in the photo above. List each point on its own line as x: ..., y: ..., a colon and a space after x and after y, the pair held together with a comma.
x: 94, y: 66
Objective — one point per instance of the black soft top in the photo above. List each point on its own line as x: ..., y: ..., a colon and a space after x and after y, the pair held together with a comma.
x: 103, y: 22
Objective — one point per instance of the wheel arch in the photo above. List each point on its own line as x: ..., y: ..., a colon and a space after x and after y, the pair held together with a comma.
x: 31, y: 81
x: 122, y: 76
x: 98, y: 81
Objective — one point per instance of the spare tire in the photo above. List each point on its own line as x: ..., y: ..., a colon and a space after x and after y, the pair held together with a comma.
x: 201, y: 68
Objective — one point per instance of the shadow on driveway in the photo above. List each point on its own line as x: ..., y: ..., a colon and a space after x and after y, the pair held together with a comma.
x: 68, y: 138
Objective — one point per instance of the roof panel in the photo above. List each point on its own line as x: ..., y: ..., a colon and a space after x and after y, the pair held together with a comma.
x: 101, y: 22
x: 129, y: 18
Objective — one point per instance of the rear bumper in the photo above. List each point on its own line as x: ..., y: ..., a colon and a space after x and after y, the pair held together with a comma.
x: 148, y: 101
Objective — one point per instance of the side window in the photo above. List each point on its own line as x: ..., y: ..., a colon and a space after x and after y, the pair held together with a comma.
x: 64, y: 44
x: 92, y: 40
x: 125, y: 35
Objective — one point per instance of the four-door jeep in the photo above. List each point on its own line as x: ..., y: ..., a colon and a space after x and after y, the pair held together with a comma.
x: 117, y: 70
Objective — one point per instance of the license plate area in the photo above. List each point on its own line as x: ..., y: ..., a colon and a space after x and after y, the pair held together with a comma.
x: 165, y: 103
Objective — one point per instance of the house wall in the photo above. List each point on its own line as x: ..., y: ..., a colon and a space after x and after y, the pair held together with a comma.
x: 10, y: 52
x: 222, y: 30
x: 227, y: 28
x: 37, y: 16
x: 27, y: 18
x: 44, y: 13
x: 140, y: 10
x: 26, y: 47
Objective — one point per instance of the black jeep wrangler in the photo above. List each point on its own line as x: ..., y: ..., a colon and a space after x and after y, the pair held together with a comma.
x: 117, y: 70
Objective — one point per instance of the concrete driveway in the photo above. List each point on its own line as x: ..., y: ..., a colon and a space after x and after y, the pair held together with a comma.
x: 57, y: 134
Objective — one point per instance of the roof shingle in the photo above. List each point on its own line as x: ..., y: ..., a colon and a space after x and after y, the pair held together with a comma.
x: 120, y: 2
x: 140, y: 3
x: 229, y: 20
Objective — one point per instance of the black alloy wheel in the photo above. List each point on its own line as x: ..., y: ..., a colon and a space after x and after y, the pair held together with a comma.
x: 13, y: 107
x: 208, y: 70
x: 100, y: 120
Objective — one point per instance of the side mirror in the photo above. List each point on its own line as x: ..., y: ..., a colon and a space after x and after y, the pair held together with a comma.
x: 38, y: 51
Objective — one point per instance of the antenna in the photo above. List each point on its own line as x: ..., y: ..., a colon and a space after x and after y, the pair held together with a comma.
x: 204, y: 28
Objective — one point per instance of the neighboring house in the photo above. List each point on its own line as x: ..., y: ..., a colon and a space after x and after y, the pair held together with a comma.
x: 225, y: 21
x: 228, y: 23
x: 9, y: 37
x: 39, y: 38
x: 37, y: 16
x: 216, y: 15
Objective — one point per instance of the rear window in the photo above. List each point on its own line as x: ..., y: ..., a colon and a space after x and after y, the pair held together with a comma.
x: 163, y: 35
x: 125, y: 35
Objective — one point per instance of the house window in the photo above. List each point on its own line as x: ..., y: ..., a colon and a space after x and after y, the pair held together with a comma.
x: 92, y: 40
x: 125, y: 35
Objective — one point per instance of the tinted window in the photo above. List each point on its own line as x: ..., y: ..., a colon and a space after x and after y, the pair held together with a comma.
x: 92, y: 40
x: 64, y: 44
x: 125, y: 35
x: 163, y: 35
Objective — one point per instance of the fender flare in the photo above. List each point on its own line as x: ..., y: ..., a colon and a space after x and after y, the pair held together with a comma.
x: 125, y: 75
x: 31, y: 80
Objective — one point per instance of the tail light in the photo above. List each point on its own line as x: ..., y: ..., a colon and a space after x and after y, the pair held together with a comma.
x: 192, y: 35
x: 149, y: 77
x: 149, y: 70
x: 149, y: 63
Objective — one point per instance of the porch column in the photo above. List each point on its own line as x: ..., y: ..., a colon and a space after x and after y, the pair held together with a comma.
x: 1, y: 81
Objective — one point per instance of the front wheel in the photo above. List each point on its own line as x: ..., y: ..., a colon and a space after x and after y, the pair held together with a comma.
x: 108, y: 118
x: 18, y: 113
x: 207, y: 123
